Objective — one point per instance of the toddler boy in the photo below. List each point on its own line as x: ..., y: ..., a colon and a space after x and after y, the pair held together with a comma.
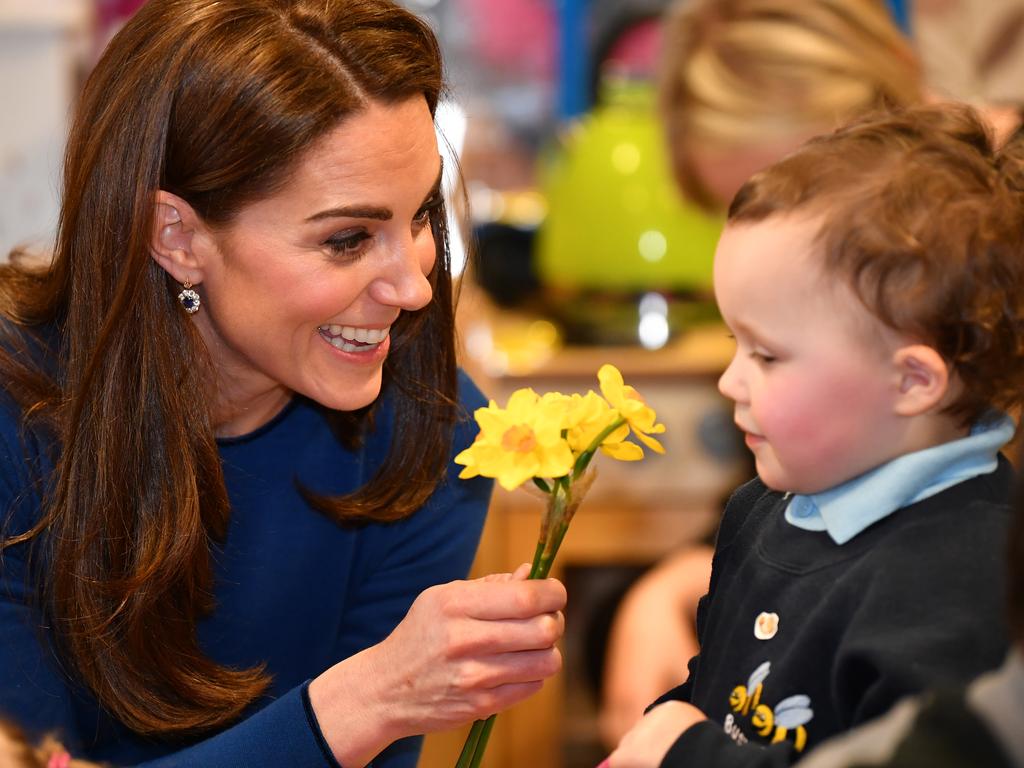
x: 874, y: 282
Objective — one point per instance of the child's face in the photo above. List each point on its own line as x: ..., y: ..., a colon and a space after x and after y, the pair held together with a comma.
x: 812, y: 377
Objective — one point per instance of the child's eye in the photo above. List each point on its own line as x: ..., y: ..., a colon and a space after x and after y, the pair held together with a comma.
x: 762, y: 357
x: 347, y: 245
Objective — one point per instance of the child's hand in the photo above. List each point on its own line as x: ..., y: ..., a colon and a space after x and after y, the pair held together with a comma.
x: 647, y: 743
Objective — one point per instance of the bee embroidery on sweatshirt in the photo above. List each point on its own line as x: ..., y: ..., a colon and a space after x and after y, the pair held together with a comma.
x: 787, y: 717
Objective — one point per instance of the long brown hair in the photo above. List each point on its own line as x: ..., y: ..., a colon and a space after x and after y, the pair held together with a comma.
x: 215, y: 101
x: 922, y: 215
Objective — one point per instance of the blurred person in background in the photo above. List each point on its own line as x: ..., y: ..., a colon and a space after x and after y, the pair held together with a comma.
x: 744, y: 82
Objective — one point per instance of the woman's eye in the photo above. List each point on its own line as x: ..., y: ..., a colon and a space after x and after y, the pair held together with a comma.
x: 347, y: 245
x: 423, y: 214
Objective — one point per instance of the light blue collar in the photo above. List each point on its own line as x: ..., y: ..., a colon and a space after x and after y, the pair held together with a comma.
x: 846, y: 510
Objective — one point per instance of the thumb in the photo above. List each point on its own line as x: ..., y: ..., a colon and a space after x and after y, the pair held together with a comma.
x: 521, y: 572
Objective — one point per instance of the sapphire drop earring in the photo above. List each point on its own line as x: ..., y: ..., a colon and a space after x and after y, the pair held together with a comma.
x: 189, y: 299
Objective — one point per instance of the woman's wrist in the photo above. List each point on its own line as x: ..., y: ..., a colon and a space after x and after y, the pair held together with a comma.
x: 352, y: 708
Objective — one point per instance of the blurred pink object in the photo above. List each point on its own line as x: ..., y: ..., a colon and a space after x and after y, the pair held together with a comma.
x: 636, y: 52
x: 111, y: 14
x: 516, y: 35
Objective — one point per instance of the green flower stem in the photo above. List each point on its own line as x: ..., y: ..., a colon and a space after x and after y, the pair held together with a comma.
x: 536, y: 556
x: 584, y: 458
x: 469, y: 748
x: 485, y: 734
x: 552, y: 533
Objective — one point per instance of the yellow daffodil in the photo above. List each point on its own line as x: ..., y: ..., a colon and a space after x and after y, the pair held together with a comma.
x: 587, y: 417
x: 553, y: 438
x: 519, y: 442
x: 631, y: 406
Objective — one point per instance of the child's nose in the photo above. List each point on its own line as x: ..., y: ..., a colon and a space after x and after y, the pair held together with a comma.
x: 730, y: 383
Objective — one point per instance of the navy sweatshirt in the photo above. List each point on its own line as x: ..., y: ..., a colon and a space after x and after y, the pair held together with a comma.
x: 293, y: 590
x: 914, y: 601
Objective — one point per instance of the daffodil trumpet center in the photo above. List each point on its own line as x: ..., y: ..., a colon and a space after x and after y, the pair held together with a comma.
x: 519, y: 438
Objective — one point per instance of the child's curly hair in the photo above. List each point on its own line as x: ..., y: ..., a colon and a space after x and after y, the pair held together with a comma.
x: 924, y: 217
x: 17, y: 752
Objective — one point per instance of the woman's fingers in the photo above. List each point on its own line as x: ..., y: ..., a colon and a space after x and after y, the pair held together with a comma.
x: 476, y: 637
x: 506, y: 599
x: 505, y: 696
x: 509, y: 668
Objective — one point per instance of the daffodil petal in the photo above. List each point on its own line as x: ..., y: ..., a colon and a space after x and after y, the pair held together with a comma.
x: 465, y: 457
x: 624, y: 451
x: 650, y: 442
x: 556, y: 462
x: 517, y: 471
x: 610, y: 379
x: 521, y: 404
x: 618, y: 435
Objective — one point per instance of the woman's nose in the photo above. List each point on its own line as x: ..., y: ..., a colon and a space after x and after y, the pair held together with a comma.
x: 406, y: 284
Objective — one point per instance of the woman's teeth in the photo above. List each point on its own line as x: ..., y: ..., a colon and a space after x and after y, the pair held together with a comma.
x: 350, y: 339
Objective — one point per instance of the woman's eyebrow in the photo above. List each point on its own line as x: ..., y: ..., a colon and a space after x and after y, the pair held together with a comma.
x: 381, y: 213
x: 354, y: 212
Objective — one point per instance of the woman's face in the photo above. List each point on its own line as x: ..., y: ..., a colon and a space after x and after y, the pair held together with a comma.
x: 301, y: 288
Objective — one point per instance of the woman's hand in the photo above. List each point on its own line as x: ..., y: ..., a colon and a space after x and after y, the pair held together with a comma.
x: 464, y: 651
x: 646, y: 745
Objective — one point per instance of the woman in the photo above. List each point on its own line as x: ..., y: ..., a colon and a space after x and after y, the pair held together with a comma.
x: 231, y: 402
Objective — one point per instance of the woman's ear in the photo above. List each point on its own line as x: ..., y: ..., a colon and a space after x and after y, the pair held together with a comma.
x: 177, y: 231
x: 924, y: 379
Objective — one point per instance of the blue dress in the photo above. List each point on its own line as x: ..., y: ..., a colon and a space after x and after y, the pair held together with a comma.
x: 293, y: 589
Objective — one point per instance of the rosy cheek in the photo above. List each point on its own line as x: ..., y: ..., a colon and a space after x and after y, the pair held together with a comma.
x: 790, y: 410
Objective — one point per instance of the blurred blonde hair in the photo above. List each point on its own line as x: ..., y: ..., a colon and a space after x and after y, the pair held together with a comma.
x: 741, y: 72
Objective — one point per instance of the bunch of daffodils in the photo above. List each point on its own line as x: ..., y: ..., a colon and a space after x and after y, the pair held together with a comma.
x: 550, y: 440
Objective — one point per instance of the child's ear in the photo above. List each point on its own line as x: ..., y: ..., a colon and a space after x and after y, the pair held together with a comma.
x: 923, y: 379
x: 177, y: 230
